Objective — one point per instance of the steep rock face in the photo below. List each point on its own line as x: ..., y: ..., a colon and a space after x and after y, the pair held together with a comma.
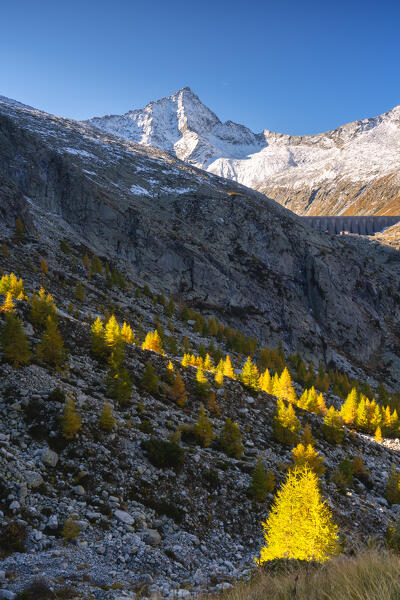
x: 351, y: 170
x: 220, y: 246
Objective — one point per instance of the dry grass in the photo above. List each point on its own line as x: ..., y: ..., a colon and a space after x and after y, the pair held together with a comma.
x: 371, y: 575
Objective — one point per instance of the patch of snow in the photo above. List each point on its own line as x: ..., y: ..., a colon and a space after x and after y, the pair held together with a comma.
x: 139, y: 191
x: 79, y: 152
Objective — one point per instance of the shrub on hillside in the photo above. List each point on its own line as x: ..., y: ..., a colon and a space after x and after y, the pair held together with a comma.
x: 12, y: 538
x: 164, y: 454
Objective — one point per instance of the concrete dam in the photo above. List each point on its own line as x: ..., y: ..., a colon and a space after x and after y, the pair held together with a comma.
x: 362, y: 225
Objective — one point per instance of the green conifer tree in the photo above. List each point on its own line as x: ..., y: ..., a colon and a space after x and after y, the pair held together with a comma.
x: 332, y: 427
x: 393, y: 487
x: 230, y: 439
x: 71, y: 421
x: 203, y: 428
x: 106, y: 419
x: 50, y: 349
x: 118, y: 379
x: 150, y: 380
x: 262, y: 482
x: 42, y: 306
x: 14, y: 341
x: 178, y: 391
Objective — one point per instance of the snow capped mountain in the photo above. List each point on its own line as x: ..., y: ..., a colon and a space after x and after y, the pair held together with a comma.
x: 313, y: 174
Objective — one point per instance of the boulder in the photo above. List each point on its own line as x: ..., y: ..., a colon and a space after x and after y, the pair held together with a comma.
x: 49, y: 457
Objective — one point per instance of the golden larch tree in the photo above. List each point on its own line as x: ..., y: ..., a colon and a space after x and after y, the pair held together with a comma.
x: 299, y: 525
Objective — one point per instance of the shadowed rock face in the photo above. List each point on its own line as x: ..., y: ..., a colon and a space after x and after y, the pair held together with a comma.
x: 218, y: 245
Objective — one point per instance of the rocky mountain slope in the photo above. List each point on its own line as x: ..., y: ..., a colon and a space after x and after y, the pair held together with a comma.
x: 351, y: 170
x: 141, y: 529
x: 219, y: 246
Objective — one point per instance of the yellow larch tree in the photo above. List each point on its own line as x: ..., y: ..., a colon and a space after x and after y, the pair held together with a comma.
x: 228, y: 368
x: 127, y: 334
x: 322, y: 409
x: 265, y: 382
x: 8, y: 304
x: 112, y: 332
x: 185, y: 362
x: 348, y: 410
x: 11, y: 283
x: 208, y: 363
x: 362, y: 415
x: 285, y: 387
x: 153, y: 342
x: 299, y: 525
x: 250, y: 375
x: 306, y: 455
x: 378, y: 434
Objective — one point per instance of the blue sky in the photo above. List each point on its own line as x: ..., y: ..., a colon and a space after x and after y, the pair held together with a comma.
x: 295, y: 66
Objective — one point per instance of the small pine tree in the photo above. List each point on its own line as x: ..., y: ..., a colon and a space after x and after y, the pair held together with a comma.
x: 98, y: 339
x: 112, y: 333
x: 228, y: 368
x: 50, y: 349
x: 127, y: 334
x: 219, y: 378
x: 71, y: 421
x: 169, y: 374
x: 299, y: 525
x: 213, y: 405
x: 321, y: 410
x: 348, y: 411
x: 153, y: 342
x: 150, y: 381
x: 230, y: 439
x: 285, y: 389
x: 308, y: 456
x: 11, y: 283
x: 44, y: 267
x: 265, y: 382
x: 80, y: 292
x: 118, y: 379
x: 362, y: 415
x: 332, y: 427
x: 96, y: 266
x: 178, y: 391
x: 19, y: 230
x: 262, y: 482
x: 250, y: 375
x: 106, y: 419
x: 285, y: 425
x: 307, y: 436
x: 42, y: 306
x: 208, y: 363
x: 8, y: 304
x: 378, y: 434
x: 14, y: 342
x: 203, y: 428
x: 393, y: 487
x: 4, y: 250
x: 202, y: 384
x: 185, y: 362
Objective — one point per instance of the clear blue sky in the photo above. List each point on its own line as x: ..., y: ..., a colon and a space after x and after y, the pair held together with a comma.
x: 296, y: 66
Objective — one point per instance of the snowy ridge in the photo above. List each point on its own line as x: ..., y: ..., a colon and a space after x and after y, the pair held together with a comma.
x: 182, y: 125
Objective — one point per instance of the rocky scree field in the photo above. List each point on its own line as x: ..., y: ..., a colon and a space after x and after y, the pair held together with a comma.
x: 97, y: 515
